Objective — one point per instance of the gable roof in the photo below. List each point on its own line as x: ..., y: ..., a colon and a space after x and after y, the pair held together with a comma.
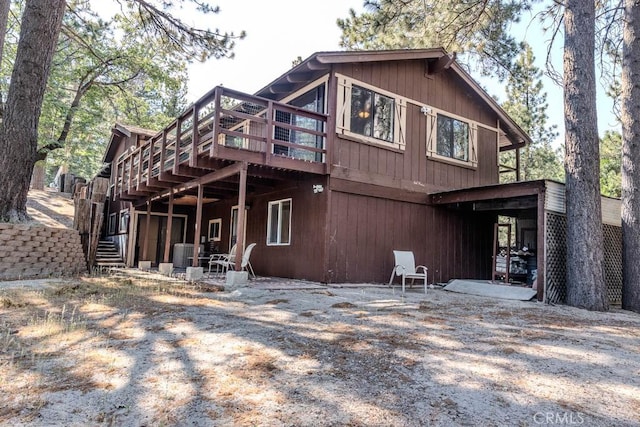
x: 320, y: 63
x: 120, y: 131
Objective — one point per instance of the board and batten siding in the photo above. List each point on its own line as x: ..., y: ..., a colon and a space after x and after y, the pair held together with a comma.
x: 303, y: 258
x: 443, y: 91
x: 365, y: 230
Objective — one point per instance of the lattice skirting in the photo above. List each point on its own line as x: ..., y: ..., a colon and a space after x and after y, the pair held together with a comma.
x: 555, y: 259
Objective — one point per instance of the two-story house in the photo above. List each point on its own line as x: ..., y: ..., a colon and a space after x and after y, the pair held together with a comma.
x: 328, y: 169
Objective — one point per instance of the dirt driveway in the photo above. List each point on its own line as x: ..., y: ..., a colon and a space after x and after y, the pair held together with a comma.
x: 141, y: 352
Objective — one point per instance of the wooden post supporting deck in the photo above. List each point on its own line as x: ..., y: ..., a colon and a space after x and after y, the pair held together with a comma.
x: 196, y: 237
x: 145, y: 247
x: 242, y: 197
x: 167, y: 240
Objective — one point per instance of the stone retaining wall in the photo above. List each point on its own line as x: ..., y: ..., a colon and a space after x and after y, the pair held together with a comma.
x: 29, y: 251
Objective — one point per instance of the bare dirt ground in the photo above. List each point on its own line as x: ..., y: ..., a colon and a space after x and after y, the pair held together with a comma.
x: 50, y: 208
x: 139, y: 351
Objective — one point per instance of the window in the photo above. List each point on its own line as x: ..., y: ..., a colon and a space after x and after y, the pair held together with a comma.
x: 124, y: 221
x: 215, y: 226
x: 451, y: 139
x: 279, y: 223
x: 370, y: 114
x: 113, y: 220
x: 312, y: 100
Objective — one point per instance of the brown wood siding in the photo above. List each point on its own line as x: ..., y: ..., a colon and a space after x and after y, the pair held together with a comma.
x: 444, y: 91
x: 304, y: 257
x: 364, y: 231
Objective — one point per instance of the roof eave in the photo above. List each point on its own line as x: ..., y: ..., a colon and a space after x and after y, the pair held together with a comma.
x: 516, y: 135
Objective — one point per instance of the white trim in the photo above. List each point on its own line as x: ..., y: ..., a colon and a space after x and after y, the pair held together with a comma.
x: 432, y: 140
x: 414, y: 102
x: 121, y: 216
x: 321, y: 81
x: 371, y: 87
x: 279, y: 237
x: 112, y: 224
x: 218, y: 236
x: 245, y: 125
x: 452, y: 115
x: 343, y: 113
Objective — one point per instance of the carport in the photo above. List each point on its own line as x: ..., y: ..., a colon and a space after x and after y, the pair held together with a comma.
x: 540, y: 210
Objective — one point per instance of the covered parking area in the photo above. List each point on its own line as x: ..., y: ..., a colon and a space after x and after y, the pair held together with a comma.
x: 539, y: 212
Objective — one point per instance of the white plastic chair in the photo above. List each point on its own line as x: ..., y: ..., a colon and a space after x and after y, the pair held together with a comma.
x: 222, y: 260
x: 405, y: 267
x: 245, y: 264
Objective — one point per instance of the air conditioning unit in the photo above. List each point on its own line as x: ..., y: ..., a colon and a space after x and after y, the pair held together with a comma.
x: 181, y: 253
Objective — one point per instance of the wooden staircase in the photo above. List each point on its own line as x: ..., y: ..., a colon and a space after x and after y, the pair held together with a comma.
x: 107, y: 255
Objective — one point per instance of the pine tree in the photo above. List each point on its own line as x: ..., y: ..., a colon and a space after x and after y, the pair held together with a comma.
x: 41, y: 23
x: 151, y: 23
x: 631, y: 157
x: 527, y: 104
x: 586, y: 287
x: 477, y: 30
x: 610, y: 164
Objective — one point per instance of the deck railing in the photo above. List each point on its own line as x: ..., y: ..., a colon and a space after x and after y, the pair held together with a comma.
x: 226, y: 122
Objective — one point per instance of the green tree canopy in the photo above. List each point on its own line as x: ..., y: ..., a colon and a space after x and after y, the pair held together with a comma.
x: 129, y: 68
x: 479, y: 29
x: 611, y: 164
x: 527, y: 104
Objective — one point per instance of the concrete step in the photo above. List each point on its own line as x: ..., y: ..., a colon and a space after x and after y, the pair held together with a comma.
x: 110, y: 264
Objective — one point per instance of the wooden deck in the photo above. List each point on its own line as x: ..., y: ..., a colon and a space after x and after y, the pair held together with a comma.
x: 221, y: 128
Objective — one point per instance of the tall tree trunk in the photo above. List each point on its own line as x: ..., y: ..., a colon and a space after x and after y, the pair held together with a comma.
x: 39, y: 32
x: 5, y: 6
x: 585, y: 274
x: 631, y: 157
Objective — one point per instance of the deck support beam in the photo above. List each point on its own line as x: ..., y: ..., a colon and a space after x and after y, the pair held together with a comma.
x: 206, y: 179
x: 242, y: 198
x: 167, y: 240
x: 145, y: 248
x: 198, y: 226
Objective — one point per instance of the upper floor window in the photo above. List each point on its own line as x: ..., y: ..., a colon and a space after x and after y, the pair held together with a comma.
x: 311, y: 100
x: 451, y: 139
x: 370, y: 114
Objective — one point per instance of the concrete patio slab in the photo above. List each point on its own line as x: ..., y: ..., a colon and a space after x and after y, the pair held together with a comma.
x: 485, y: 288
